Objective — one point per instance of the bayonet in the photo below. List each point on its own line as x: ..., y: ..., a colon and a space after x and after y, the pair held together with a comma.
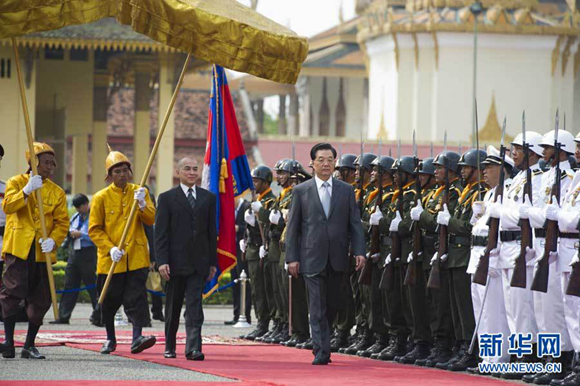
x: 380, y: 145
x: 399, y: 148
x: 503, y: 132
x: 390, y: 152
x: 524, y: 127
x: 414, y: 144
x: 445, y: 141
x: 460, y: 148
x: 478, y: 160
x: 431, y: 149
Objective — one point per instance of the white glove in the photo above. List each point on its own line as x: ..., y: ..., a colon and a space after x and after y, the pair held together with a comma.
x: 116, y: 254
x: 378, y: 254
x: 494, y: 252
x: 46, y: 246
x: 243, y: 245
x: 34, y: 183
x: 286, y: 267
x: 256, y: 206
x: 139, y: 195
x: 444, y: 216
x: 416, y: 211
x: 525, y: 208
x: 275, y: 216
x: 530, y: 255
x: 263, y: 253
x: 478, y: 208
x: 444, y: 257
x: 493, y: 272
x: 575, y: 259
x: 388, y: 260
x: 433, y: 258
x: 552, y: 210
x: 552, y: 258
x: 250, y: 218
x: 495, y: 209
x: 376, y: 217
x: 568, y: 220
x: 394, y: 227
x: 410, y: 257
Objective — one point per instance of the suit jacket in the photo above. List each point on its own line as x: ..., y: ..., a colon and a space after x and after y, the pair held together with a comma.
x: 241, y: 223
x: 312, y: 238
x: 186, y: 238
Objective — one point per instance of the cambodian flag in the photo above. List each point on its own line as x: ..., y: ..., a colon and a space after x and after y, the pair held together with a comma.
x: 226, y: 172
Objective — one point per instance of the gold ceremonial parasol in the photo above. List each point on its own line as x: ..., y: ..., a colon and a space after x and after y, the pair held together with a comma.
x: 223, y: 32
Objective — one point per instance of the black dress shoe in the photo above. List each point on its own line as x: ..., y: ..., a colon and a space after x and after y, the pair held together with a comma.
x: 158, y: 317
x: 467, y: 361
x: 195, y: 356
x: 7, y: 351
x: 142, y: 343
x: 108, y: 347
x: 59, y: 321
x: 31, y: 353
x: 169, y: 354
x: 319, y: 361
x: 230, y: 322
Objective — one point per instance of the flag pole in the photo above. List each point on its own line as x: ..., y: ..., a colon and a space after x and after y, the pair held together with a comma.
x: 145, y: 176
x: 34, y: 168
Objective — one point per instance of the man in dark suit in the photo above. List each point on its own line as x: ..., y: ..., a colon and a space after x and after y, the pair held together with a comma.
x: 241, y: 207
x: 186, y: 252
x: 323, y: 218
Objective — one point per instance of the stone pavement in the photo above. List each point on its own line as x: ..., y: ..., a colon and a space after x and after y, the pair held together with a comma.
x: 64, y: 363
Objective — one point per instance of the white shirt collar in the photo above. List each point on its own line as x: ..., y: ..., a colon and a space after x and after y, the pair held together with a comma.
x: 319, y: 182
x: 186, y: 190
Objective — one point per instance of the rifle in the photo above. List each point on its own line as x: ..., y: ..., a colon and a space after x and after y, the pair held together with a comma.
x: 387, y: 278
x: 434, y: 281
x: 480, y: 276
x: 540, y: 282
x: 411, y: 275
x: 366, y: 274
x: 261, y: 228
x: 519, y: 275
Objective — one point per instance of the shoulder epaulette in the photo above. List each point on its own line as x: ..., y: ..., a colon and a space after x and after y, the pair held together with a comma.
x: 564, y: 175
x: 456, y: 189
x: 410, y: 191
x: 537, y: 171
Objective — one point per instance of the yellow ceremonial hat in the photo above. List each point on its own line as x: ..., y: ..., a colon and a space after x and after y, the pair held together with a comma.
x: 39, y: 148
x: 115, y: 158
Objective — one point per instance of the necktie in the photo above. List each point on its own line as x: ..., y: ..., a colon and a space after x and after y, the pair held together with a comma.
x: 190, y: 198
x: 325, y: 198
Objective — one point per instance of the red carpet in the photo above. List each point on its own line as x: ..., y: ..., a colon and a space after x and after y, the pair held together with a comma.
x: 126, y: 383
x: 277, y: 365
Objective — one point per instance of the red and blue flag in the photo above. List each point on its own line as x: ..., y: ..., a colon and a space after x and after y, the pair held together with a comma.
x: 226, y: 171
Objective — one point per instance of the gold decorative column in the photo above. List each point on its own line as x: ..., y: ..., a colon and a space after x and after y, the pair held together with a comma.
x: 99, y: 137
x: 80, y: 168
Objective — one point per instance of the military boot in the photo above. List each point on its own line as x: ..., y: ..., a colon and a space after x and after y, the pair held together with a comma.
x: 365, y: 342
x: 467, y: 361
x: 274, y: 330
x: 376, y: 348
x: 398, y: 348
x: 421, y: 351
x: 257, y: 333
x: 573, y: 378
x: 457, y: 354
x: 339, y: 341
x: 392, y: 342
x: 432, y: 355
x: 525, y: 359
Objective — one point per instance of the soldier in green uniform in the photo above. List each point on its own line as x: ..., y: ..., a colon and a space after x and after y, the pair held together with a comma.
x: 440, y: 304
x: 300, y: 321
x: 273, y: 222
x: 421, y: 299
x: 345, y: 318
x: 362, y: 299
x: 459, y: 227
x: 382, y: 174
x: 263, y: 302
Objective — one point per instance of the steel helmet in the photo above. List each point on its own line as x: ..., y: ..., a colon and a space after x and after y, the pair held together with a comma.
x: 448, y: 159
x: 346, y: 161
x: 406, y: 164
x: 426, y: 166
x: 469, y: 158
x: 385, y: 163
x: 367, y: 158
x: 279, y: 163
x: 262, y: 172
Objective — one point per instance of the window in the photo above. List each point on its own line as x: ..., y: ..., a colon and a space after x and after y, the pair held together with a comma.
x: 5, y: 70
x: 54, y: 54
x: 81, y: 55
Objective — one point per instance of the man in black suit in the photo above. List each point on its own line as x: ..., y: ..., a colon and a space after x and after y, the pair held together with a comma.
x: 241, y: 207
x: 323, y: 218
x: 186, y: 251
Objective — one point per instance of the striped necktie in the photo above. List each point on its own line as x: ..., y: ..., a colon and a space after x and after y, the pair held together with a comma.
x: 190, y: 198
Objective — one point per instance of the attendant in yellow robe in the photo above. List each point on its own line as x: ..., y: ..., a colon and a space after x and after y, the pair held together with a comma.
x: 23, y: 248
x: 109, y: 214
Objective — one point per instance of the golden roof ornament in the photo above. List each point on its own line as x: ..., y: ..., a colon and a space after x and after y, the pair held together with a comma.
x: 491, y: 131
